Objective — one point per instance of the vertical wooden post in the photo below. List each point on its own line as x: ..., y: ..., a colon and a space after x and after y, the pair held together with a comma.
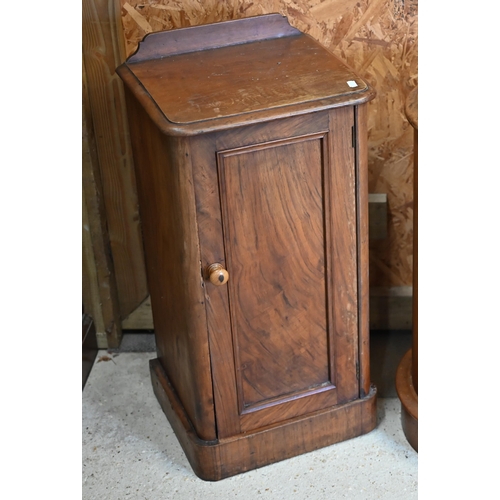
x: 103, y: 51
x: 99, y: 286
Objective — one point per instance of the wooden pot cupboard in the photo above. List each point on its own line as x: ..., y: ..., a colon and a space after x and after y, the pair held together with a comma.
x: 249, y: 142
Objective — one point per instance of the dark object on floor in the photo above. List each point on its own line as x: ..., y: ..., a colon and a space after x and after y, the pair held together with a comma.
x: 387, y: 347
x: 136, y: 342
x: 89, y: 347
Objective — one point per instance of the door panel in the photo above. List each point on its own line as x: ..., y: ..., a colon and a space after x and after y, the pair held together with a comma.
x: 280, y: 215
x: 274, y: 235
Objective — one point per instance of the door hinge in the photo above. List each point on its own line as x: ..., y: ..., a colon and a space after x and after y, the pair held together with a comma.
x: 353, y: 136
x: 357, y: 370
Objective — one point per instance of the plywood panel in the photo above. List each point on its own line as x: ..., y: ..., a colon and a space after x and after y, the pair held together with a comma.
x: 378, y: 39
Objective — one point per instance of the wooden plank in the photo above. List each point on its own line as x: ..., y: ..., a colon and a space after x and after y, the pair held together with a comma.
x: 103, y: 51
x: 99, y: 286
x: 140, y: 318
x: 344, y: 277
x: 207, y: 37
x: 90, y: 286
x: 215, y: 84
x: 362, y: 208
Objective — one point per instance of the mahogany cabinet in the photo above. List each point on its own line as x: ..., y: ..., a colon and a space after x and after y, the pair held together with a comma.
x: 249, y: 142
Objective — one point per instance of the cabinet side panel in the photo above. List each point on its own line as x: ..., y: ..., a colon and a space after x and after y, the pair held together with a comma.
x: 168, y: 216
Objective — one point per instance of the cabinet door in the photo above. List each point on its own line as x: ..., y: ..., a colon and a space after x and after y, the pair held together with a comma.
x: 283, y: 334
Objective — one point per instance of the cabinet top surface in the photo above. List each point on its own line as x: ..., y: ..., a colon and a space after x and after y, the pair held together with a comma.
x: 236, y: 68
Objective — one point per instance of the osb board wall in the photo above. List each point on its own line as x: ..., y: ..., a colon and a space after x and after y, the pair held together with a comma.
x: 378, y: 38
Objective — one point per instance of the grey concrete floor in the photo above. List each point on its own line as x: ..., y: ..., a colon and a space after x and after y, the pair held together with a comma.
x: 130, y: 451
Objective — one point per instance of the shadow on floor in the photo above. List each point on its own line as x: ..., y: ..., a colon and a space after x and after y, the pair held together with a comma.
x: 387, y: 347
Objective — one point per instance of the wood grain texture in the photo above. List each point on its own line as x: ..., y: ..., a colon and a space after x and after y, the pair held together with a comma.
x: 90, y: 287
x: 212, y: 249
x: 273, y: 192
x: 103, y: 50
x: 224, y: 458
x: 273, y: 221
x: 361, y: 152
x: 379, y: 40
x: 100, y: 294
x: 209, y: 218
x: 407, y: 372
x: 412, y: 115
x: 210, y: 36
x: 275, y: 349
x: 140, y: 318
x: 199, y: 92
x: 344, y: 250
x: 245, y: 78
x: 168, y: 212
x: 225, y: 123
x: 409, y: 399
x: 217, y: 275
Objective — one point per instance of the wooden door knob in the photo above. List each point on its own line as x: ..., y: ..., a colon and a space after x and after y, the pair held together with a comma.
x: 217, y: 274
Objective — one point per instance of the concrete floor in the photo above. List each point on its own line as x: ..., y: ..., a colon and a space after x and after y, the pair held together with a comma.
x: 130, y: 451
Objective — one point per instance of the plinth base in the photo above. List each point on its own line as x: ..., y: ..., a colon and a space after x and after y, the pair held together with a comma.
x: 215, y: 460
x: 409, y: 400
